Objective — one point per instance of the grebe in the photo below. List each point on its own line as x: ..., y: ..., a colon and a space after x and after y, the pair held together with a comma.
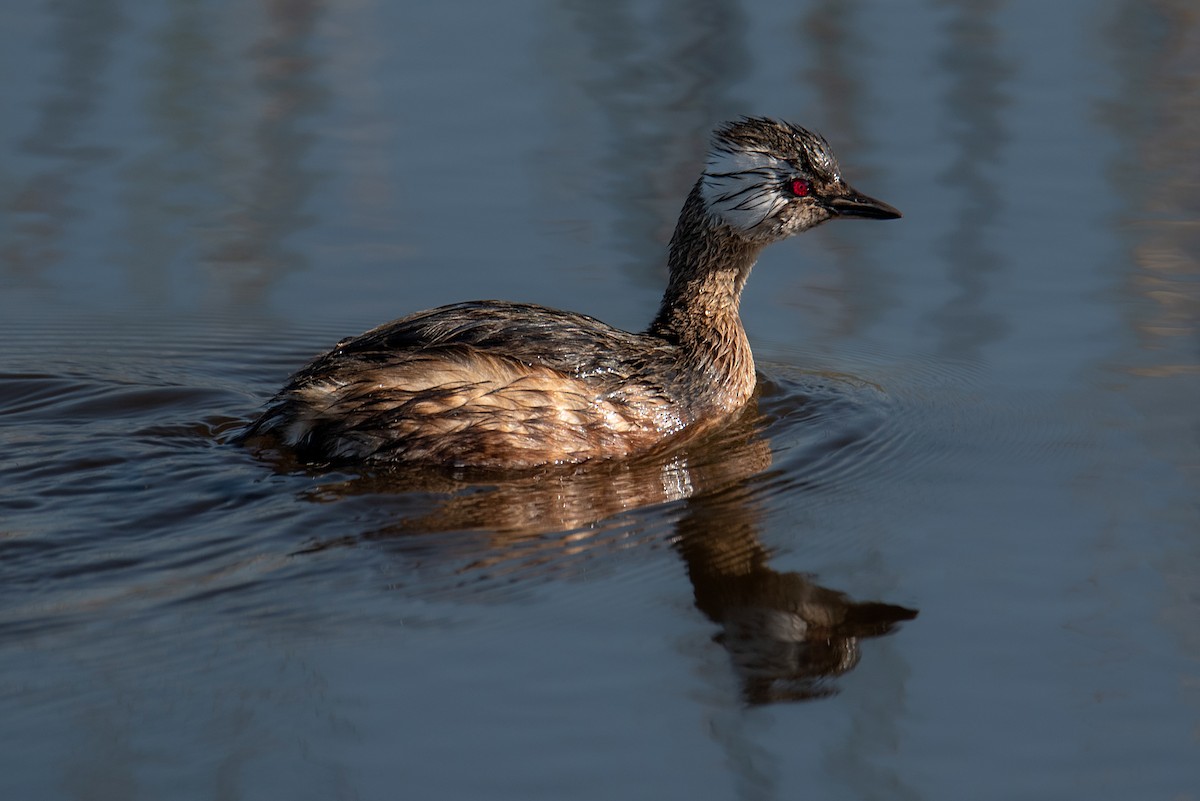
x: 494, y: 384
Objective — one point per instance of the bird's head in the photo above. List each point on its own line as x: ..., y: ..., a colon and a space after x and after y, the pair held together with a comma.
x: 767, y: 180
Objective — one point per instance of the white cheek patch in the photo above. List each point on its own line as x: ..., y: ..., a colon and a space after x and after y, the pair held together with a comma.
x: 742, y: 187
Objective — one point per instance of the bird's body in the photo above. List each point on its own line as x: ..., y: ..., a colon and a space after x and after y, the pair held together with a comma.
x: 488, y: 384
x: 508, y: 385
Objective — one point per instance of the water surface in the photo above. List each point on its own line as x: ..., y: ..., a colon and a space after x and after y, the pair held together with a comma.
x: 951, y: 549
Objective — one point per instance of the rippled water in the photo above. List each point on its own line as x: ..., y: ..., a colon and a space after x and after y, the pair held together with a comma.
x: 951, y: 549
x: 139, y: 431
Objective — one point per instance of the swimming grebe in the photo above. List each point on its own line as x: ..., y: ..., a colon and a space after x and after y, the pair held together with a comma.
x: 510, y: 385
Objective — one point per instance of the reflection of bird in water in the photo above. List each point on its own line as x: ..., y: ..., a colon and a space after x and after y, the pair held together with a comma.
x: 494, y: 384
x: 533, y: 505
x: 787, y: 636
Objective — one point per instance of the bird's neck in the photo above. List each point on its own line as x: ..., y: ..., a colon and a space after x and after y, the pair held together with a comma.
x: 709, y: 265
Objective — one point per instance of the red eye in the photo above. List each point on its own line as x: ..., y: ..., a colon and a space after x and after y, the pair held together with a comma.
x: 800, y: 187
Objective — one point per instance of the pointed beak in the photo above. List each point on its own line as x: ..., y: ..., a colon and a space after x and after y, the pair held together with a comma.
x: 851, y: 203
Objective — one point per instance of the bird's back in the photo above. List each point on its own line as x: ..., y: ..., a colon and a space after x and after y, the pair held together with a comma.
x: 483, y: 383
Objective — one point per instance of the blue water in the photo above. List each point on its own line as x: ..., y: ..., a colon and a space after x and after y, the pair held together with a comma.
x: 983, y: 415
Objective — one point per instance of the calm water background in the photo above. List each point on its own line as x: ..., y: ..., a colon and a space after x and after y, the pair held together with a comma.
x: 988, y: 411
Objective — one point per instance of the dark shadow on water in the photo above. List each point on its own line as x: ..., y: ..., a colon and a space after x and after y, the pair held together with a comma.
x: 787, y: 636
